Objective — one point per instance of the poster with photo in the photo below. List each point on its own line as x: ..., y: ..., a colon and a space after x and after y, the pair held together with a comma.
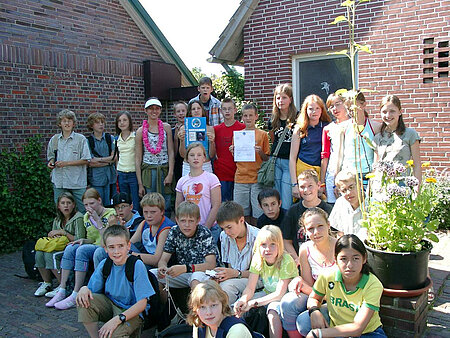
x: 196, y: 131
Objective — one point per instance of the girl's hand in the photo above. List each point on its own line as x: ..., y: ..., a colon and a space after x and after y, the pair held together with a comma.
x: 109, y: 327
x: 318, y: 320
x: 211, y: 136
x: 142, y: 191
x: 310, y: 335
x: 181, y: 133
x: 55, y: 233
x: 83, y: 297
x: 295, y: 192
x: 296, y: 285
x: 225, y: 273
x: 78, y: 241
x: 337, y: 192
x: 113, y: 219
x: 168, y: 179
x: 239, y: 307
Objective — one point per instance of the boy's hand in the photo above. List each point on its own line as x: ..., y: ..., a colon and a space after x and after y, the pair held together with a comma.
x: 83, y: 297
x: 162, y: 271
x: 211, y: 136
x: 231, y: 149
x: 258, y: 150
x: 109, y: 327
x: 176, y: 270
x: 60, y: 164
x: 318, y: 320
x: 225, y: 273
x: 295, y: 192
x: 51, y: 164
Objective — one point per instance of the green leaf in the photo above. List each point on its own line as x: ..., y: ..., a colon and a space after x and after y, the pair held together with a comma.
x: 432, y: 237
x: 363, y: 48
x: 347, y: 3
x: 341, y: 91
x: 338, y: 19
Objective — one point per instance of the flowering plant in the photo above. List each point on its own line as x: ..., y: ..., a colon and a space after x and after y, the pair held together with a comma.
x: 397, y: 218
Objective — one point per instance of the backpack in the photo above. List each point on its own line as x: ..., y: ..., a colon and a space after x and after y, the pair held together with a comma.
x: 91, y: 143
x: 28, y: 259
x: 153, y: 315
x: 226, y: 325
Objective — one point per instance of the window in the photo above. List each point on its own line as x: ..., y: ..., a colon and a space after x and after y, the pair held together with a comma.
x: 320, y: 74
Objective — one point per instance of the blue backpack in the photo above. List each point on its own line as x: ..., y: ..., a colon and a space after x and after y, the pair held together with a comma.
x: 226, y: 325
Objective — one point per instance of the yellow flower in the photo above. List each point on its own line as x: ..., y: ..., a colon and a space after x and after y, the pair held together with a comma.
x: 430, y: 180
x: 411, y: 163
x: 426, y: 164
x: 370, y: 175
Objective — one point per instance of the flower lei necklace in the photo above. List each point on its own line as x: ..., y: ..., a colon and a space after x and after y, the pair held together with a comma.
x: 147, y: 145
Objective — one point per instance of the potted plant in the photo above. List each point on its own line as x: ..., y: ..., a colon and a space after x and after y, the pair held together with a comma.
x: 400, y: 230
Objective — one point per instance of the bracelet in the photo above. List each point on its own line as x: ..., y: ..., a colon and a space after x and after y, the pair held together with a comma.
x: 188, y: 268
x: 312, y: 309
x: 314, y: 335
x: 293, y: 184
x: 193, y: 268
x: 320, y: 333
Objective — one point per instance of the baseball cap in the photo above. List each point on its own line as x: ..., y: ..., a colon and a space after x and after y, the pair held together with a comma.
x: 152, y: 102
x: 121, y: 197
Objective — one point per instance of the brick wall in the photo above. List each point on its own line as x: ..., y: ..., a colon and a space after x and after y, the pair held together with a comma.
x: 85, y: 56
x: 397, y: 30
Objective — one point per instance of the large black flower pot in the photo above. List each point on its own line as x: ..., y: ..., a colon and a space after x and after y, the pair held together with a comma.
x: 400, y: 270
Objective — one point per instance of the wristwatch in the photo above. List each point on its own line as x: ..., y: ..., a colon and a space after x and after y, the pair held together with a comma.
x: 293, y: 184
x: 239, y: 276
x: 122, y: 318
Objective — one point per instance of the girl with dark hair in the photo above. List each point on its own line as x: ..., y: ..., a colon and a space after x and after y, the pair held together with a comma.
x: 353, y: 294
x: 395, y: 142
x: 126, y: 165
x: 284, y: 115
x: 68, y: 222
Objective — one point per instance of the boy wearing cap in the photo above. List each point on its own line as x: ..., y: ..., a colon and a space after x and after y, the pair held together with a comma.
x: 123, y: 204
x: 154, y: 154
x: 211, y: 104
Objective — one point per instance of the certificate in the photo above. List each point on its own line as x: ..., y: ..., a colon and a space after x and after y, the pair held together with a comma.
x: 195, y: 128
x: 244, y: 145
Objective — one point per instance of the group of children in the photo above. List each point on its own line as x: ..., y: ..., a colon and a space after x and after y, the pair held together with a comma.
x: 236, y: 244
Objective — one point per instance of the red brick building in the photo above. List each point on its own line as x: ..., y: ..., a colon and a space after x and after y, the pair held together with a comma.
x: 85, y: 56
x: 277, y: 40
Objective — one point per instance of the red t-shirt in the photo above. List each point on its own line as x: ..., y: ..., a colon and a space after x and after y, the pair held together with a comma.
x: 224, y: 166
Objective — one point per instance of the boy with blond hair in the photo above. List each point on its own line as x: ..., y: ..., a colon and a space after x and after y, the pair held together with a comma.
x: 347, y: 213
x: 246, y: 186
x: 68, y: 157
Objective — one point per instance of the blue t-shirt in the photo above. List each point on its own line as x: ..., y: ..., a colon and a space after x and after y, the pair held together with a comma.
x: 311, y: 145
x: 117, y: 287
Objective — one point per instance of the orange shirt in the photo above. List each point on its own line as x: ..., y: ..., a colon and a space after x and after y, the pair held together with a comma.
x: 247, y: 172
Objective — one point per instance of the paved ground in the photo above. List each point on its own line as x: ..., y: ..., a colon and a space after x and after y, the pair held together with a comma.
x: 23, y: 315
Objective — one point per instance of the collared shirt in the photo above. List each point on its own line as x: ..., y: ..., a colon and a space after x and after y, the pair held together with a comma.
x: 74, y: 148
x: 127, y: 148
x: 101, y: 176
x: 345, y: 219
x: 343, y: 305
x: 213, y: 108
x: 239, y: 260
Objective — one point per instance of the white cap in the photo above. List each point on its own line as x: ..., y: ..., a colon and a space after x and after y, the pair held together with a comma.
x: 152, y: 102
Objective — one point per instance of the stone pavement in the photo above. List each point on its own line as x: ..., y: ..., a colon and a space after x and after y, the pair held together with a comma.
x: 23, y: 315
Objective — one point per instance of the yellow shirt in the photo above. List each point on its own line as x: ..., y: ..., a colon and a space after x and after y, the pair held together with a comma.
x: 343, y: 305
x: 126, y: 147
x: 91, y: 231
x: 247, y: 172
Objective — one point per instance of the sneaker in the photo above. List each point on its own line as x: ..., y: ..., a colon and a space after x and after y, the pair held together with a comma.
x: 56, y: 298
x: 52, y: 293
x: 43, y: 289
x: 67, y: 303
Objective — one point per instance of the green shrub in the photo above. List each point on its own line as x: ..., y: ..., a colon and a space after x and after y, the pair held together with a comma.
x: 26, y: 194
x: 441, y: 211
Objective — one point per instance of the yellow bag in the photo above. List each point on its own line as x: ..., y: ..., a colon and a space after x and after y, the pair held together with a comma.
x: 51, y: 244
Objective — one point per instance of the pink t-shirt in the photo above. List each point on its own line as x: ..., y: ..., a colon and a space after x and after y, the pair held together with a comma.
x: 198, y: 190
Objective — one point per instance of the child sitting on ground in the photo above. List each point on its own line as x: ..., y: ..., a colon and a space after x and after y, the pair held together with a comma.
x: 150, y: 237
x: 68, y: 157
x: 211, y: 315
x: 270, y: 203
x: 346, y: 213
x: 123, y: 204
x: 194, y: 249
x: 114, y: 301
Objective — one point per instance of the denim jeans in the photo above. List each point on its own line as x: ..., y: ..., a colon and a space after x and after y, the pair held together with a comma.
x: 283, y: 182
x: 128, y: 184
x: 226, y: 189
x: 291, y: 306
x: 77, y: 257
x: 105, y: 193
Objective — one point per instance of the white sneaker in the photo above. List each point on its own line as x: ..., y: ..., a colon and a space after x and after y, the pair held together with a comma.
x: 43, y: 289
x: 52, y: 293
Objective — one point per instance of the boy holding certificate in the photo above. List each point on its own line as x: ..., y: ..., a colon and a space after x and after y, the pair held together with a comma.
x: 247, y: 188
